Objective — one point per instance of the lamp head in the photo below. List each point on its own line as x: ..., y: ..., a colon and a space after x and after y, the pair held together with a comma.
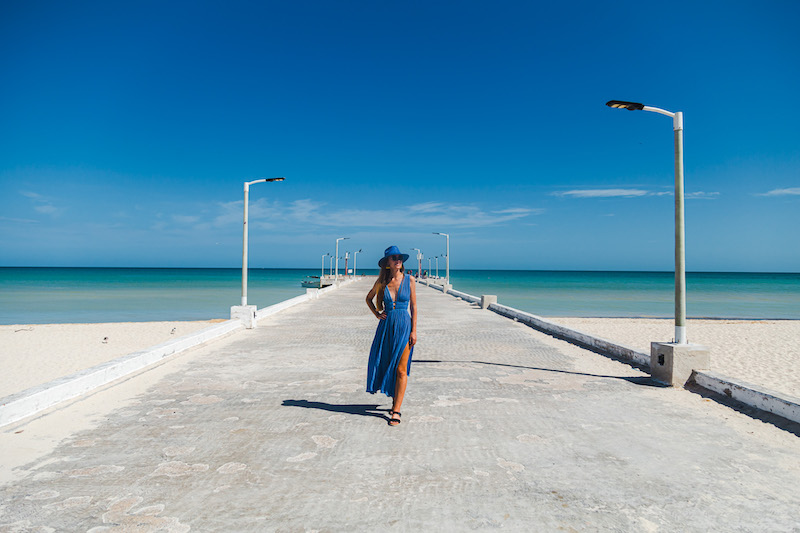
x: 630, y: 106
x: 274, y: 179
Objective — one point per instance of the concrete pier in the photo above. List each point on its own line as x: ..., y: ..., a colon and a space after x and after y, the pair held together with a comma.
x: 503, y: 427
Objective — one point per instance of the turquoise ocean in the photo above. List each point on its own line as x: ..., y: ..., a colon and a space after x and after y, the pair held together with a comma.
x: 88, y: 295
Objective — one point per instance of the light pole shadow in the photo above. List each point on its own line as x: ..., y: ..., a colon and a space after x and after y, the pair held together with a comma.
x: 645, y: 381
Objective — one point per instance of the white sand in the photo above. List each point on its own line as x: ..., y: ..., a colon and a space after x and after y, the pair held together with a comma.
x: 31, y: 355
x: 761, y: 352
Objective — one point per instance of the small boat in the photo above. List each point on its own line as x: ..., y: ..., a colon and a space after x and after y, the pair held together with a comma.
x: 315, y: 282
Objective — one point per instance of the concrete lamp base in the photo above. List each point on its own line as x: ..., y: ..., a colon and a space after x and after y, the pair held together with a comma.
x: 245, y: 313
x: 673, y: 364
x: 487, y: 300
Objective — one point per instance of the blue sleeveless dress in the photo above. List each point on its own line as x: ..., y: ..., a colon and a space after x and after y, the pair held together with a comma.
x: 391, y: 339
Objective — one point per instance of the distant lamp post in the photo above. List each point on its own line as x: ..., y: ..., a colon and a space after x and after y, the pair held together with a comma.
x: 322, y: 270
x: 447, y: 258
x: 247, y: 185
x: 680, y: 254
x: 437, y: 266
x: 330, y: 272
x: 419, y: 261
x: 355, y: 258
x: 337, y: 254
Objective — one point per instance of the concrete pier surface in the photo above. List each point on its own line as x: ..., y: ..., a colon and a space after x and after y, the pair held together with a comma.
x: 503, y: 428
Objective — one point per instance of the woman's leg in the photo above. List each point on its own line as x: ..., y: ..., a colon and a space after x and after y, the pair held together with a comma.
x: 400, y: 385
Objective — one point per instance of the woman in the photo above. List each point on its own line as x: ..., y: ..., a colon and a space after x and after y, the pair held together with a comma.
x: 390, y: 357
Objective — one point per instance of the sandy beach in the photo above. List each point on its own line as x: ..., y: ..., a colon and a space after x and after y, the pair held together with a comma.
x: 761, y: 352
x: 34, y: 354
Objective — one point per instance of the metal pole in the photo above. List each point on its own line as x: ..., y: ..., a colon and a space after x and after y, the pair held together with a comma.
x: 337, y: 255
x: 244, y: 245
x: 447, y: 260
x: 244, y: 233
x: 680, y: 251
x: 322, y: 270
x: 447, y: 257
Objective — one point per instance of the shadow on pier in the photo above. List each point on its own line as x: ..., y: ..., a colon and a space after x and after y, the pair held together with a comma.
x: 348, y: 409
x: 646, y: 381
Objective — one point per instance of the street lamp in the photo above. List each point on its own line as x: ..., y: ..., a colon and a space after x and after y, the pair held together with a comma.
x: 447, y: 262
x: 355, y: 258
x: 247, y: 185
x: 437, y: 266
x: 419, y: 262
x: 337, y: 255
x: 680, y: 255
x: 322, y: 270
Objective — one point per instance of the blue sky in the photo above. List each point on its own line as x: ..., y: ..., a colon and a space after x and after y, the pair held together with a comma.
x: 128, y: 128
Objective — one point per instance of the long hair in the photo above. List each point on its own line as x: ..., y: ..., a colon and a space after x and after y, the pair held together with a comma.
x: 383, y: 279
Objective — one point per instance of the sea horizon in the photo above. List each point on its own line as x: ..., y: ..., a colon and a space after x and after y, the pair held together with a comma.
x: 37, y: 295
x: 441, y: 269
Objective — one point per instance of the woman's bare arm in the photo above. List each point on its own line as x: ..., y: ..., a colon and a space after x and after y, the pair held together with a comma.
x: 412, y: 340
x: 370, y: 297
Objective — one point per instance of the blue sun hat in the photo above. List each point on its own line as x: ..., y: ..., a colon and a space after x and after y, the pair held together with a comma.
x: 390, y: 251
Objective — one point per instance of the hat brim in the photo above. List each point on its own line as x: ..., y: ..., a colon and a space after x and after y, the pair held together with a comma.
x: 382, y: 262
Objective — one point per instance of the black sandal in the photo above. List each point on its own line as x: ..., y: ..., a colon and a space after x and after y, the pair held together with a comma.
x: 395, y: 420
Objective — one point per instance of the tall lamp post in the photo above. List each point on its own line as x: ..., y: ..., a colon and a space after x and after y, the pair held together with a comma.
x: 447, y: 258
x: 419, y: 262
x: 680, y: 255
x: 337, y: 254
x: 355, y: 258
x: 247, y: 185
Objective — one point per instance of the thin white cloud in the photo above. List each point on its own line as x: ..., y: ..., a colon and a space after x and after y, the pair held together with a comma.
x: 632, y: 193
x: 32, y: 195
x: 185, y: 219
x: 427, y: 207
x: 46, y: 209
x: 701, y: 195
x: 42, y: 204
x: 308, y: 213
x: 792, y: 191
x: 603, y: 193
x: 519, y: 210
x: 19, y: 220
